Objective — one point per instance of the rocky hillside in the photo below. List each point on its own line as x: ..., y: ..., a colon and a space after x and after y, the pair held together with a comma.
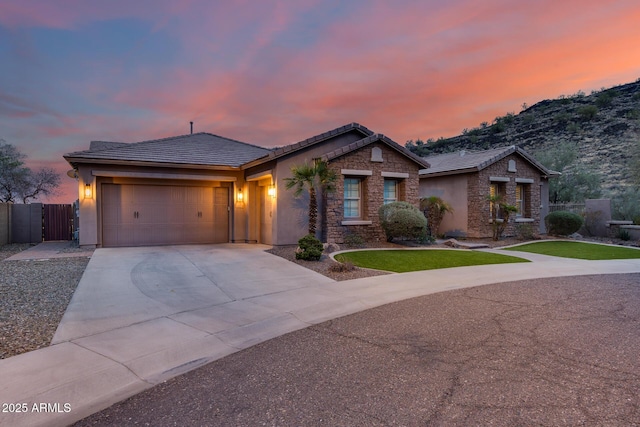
x: 605, y: 125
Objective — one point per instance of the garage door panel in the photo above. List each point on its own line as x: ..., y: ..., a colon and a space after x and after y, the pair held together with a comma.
x: 221, y: 214
x: 139, y: 215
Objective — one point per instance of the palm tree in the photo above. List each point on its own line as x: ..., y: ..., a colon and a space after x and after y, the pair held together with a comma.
x: 500, y: 213
x: 434, y: 209
x: 311, y: 177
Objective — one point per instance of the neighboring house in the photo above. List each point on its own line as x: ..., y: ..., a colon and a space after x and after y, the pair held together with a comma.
x: 203, y: 188
x: 465, y: 179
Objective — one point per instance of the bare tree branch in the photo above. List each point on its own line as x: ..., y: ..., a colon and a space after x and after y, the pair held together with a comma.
x: 18, y: 182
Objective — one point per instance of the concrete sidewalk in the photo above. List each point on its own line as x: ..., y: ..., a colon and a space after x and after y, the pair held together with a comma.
x: 143, y: 315
x: 49, y: 250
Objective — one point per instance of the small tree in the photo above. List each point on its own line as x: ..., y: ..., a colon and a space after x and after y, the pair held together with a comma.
x: 312, y: 177
x: 434, y: 208
x: 577, y: 182
x: 18, y: 182
x: 500, y: 215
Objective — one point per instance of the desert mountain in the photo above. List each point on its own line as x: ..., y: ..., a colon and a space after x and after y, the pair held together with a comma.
x: 605, y: 125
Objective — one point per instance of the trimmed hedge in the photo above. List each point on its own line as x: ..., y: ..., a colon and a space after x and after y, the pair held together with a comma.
x: 402, y: 220
x: 309, y: 248
x: 563, y: 223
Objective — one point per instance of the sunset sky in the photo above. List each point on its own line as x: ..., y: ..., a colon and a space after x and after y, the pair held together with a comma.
x: 275, y: 72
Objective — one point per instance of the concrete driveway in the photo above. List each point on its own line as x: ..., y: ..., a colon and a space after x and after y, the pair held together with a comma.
x: 210, y: 288
x: 143, y: 315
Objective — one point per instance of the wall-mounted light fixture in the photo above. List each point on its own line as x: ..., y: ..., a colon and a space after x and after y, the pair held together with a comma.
x: 239, y: 195
x: 271, y: 191
x: 88, y: 191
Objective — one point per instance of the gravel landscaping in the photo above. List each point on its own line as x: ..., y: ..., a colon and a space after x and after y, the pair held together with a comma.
x: 33, y: 297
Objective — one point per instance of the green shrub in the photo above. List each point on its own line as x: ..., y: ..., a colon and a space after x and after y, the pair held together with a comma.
x: 573, y: 127
x: 525, y: 231
x: 354, y: 240
x: 563, y: 223
x: 626, y: 204
x: 309, y: 248
x: 342, y: 267
x: 588, y: 112
x: 624, y: 234
x: 604, y: 100
x: 633, y: 114
x: 402, y: 220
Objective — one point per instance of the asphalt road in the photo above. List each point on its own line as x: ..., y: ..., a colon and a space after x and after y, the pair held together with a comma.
x: 549, y: 352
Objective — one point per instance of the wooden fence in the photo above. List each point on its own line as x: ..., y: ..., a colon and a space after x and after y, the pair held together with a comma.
x: 57, y: 222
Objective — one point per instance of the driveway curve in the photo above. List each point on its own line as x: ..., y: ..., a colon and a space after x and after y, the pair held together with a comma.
x: 550, y: 352
x: 141, y: 316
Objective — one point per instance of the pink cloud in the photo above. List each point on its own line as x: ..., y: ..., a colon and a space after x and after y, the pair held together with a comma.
x: 416, y: 71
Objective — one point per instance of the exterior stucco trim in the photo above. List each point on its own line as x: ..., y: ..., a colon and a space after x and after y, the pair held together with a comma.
x: 403, y: 175
x: 356, y: 222
x: 260, y: 175
x: 156, y: 175
x: 356, y: 172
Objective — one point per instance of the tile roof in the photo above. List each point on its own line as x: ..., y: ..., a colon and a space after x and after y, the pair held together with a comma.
x: 369, y: 140
x: 473, y: 161
x: 104, y: 145
x: 195, y: 149
x: 287, y: 149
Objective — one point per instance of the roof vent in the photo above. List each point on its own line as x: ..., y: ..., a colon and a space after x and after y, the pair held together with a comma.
x: 191, y: 128
x: 462, y: 153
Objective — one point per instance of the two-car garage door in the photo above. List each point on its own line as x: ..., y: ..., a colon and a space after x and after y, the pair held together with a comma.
x: 142, y: 215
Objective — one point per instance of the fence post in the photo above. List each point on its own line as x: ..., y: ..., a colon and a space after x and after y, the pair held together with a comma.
x: 5, y: 223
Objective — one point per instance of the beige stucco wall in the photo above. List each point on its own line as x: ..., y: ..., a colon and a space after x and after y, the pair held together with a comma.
x: 290, y: 217
x: 453, y: 190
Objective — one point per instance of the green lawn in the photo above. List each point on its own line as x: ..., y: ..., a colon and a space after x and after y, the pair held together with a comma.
x: 402, y: 261
x: 578, y: 250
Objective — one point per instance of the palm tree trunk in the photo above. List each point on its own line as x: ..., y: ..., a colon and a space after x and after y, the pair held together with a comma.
x: 313, y: 210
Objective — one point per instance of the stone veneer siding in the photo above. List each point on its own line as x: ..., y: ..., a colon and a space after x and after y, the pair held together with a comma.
x: 479, y: 224
x: 372, y: 196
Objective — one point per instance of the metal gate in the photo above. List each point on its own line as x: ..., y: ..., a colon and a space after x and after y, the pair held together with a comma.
x: 57, y: 222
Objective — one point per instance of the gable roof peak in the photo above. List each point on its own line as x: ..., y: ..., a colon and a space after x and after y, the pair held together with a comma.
x: 369, y: 140
x: 469, y: 161
x: 287, y: 149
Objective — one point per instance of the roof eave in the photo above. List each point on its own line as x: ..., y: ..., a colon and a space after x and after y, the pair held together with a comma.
x: 428, y: 174
x: 370, y: 140
x: 75, y: 161
x: 256, y: 162
x: 309, y: 142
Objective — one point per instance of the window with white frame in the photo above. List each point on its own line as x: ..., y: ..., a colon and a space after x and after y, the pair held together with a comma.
x: 352, y: 197
x: 390, y: 191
